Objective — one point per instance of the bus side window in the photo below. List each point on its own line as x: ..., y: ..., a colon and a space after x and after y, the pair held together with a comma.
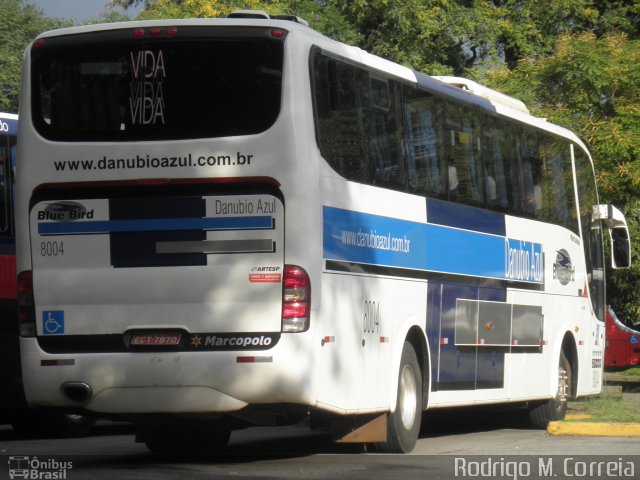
x: 496, y: 153
x: 423, y: 143
x: 529, y: 174
x: 337, y: 116
x: 591, y: 231
x: 559, y: 204
x: 385, y: 160
x: 464, y: 156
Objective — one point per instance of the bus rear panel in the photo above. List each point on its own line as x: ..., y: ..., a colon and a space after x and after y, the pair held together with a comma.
x: 157, y: 241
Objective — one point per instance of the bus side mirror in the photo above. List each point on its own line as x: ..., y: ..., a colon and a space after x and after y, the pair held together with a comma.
x: 614, y: 219
x: 620, y: 247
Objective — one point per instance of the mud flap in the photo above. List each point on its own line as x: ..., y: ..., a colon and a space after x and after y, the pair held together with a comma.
x: 372, y: 431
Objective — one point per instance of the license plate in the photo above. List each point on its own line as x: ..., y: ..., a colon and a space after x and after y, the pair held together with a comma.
x: 155, y: 339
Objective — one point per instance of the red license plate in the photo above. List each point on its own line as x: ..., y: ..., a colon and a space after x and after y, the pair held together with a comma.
x: 155, y: 339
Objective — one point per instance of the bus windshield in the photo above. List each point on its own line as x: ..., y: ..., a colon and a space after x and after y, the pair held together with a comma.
x: 113, y: 86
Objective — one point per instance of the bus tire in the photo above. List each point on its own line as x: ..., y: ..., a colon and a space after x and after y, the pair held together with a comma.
x: 555, y: 409
x: 403, y: 425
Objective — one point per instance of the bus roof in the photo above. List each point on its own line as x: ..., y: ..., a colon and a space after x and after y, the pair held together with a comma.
x: 459, y: 89
x: 9, y: 116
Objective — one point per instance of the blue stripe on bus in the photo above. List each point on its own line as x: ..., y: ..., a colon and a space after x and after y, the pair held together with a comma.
x: 9, y: 126
x: 155, y: 225
x: 455, y: 215
x: 375, y: 240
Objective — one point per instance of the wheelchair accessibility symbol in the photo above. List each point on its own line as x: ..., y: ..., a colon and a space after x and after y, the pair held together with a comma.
x: 53, y: 322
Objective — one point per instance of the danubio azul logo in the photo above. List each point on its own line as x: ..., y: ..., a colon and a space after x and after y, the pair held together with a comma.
x: 523, y: 261
x: 563, y: 269
x: 376, y: 240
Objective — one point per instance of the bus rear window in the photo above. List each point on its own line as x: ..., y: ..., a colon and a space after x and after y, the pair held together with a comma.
x: 207, y: 82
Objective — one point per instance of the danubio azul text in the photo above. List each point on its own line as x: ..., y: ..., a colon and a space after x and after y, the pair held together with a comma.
x: 523, y: 261
x: 373, y: 239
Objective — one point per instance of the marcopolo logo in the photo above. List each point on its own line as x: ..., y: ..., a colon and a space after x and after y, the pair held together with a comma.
x: 4, y: 127
x: 563, y: 269
x: 234, y: 341
x: 65, y: 211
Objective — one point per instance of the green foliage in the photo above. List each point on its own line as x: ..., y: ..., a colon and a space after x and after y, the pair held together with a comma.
x: 425, y: 35
x: 110, y: 16
x: 618, y: 15
x: 127, y: 3
x: 444, y: 36
x: 607, y: 408
x: 20, y: 23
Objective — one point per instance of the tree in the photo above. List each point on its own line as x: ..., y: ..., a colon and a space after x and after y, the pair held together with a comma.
x: 592, y: 86
x: 20, y: 23
x: 424, y: 35
x: 437, y: 36
x: 618, y: 15
x: 129, y: 3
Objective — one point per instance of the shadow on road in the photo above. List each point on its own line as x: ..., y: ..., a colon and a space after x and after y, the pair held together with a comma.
x: 438, y: 423
x: 103, y: 428
x: 265, y: 443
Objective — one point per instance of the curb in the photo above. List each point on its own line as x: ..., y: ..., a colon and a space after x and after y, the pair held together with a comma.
x: 594, y: 429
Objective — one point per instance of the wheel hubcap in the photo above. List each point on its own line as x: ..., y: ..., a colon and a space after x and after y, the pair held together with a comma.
x: 407, y: 399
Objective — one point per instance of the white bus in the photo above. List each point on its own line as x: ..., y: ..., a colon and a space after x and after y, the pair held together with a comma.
x: 234, y: 222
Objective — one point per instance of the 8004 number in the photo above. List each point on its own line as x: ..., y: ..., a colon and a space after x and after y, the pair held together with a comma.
x: 51, y: 249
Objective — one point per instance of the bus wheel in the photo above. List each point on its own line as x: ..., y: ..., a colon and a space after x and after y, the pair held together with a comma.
x: 186, y: 441
x: 403, y: 425
x: 556, y: 408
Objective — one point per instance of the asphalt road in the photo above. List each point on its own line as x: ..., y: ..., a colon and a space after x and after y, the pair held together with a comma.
x: 460, y: 444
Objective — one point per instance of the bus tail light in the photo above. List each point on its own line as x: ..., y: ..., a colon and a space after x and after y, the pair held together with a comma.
x: 154, y: 31
x: 26, y: 305
x: 296, y: 299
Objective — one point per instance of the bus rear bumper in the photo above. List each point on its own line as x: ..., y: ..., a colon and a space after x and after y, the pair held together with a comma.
x: 190, y: 399
x: 168, y: 382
